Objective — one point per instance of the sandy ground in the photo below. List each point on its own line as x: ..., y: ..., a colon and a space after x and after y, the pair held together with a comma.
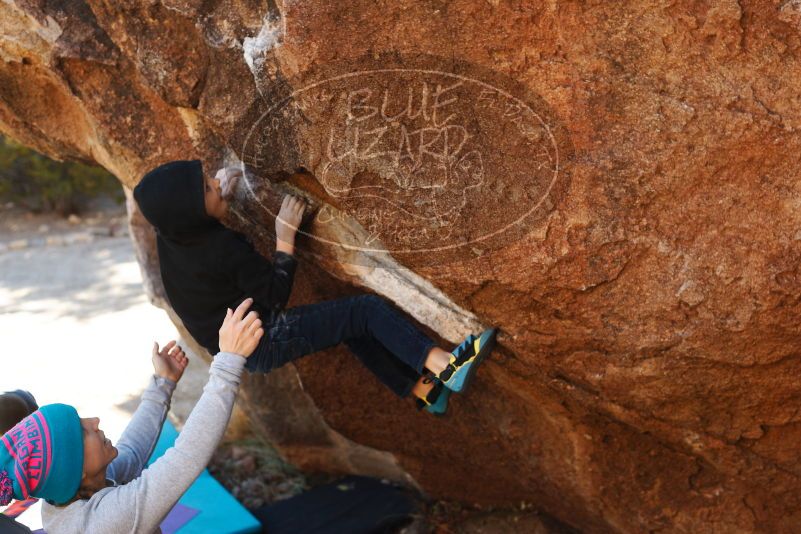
x: 76, y: 325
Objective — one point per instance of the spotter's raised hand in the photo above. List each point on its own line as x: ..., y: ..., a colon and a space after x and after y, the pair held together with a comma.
x: 169, y: 362
x: 240, y: 333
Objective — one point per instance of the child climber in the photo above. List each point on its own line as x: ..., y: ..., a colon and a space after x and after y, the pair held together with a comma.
x: 207, y: 268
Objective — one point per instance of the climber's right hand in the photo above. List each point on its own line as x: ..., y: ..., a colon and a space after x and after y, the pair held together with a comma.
x: 240, y: 333
x: 228, y: 178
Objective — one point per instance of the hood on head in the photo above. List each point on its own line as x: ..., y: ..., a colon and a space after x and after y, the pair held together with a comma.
x: 171, y: 197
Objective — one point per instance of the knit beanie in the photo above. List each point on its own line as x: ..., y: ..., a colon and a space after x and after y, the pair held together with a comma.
x: 42, y: 456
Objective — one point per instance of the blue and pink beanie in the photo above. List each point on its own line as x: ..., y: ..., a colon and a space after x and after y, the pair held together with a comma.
x: 42, y: 456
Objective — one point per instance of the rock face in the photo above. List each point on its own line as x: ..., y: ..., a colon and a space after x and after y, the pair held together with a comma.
x: 616, y: 185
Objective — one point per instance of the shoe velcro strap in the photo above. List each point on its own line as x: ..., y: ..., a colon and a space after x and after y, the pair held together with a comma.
x: 434, y: 394
x: 465, y: 354
x: 447, y: 373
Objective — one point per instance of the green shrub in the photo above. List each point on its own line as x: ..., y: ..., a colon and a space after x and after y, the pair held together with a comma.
x: 39, y: 183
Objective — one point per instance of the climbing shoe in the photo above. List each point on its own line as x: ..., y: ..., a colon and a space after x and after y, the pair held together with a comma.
x: 466, y: 358
x: 436, y: 401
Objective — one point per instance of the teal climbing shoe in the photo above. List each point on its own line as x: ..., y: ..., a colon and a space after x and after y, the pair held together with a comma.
x: 436, y: 402
x: 466, y: 358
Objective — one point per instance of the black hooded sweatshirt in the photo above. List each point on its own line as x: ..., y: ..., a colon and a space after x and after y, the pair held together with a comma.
x: 205, y: 266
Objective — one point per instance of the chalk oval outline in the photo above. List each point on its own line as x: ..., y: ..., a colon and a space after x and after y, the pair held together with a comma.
x: 423, y: 71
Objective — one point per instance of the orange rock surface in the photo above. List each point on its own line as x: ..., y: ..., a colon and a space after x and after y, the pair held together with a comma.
x: 647, y: 374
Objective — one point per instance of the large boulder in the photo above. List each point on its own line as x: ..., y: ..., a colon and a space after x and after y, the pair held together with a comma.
x: 614, y: 184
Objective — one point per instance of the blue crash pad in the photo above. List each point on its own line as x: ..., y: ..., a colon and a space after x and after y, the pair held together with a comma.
x: 218, y: 511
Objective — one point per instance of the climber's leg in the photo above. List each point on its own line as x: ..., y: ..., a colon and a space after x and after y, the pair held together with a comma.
x: 397, y: 376
x: 437, y: 360
x: 306, y: 329
x: 392, y: 372
x: 400, y: 378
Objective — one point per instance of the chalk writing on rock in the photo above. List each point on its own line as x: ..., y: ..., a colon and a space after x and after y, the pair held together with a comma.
x: 425, y: 160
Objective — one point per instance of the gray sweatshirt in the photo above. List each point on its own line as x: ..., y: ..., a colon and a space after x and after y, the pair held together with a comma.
x: 137, y: 501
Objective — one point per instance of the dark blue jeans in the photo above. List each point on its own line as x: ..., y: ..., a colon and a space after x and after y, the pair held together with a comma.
x: 388, y: 344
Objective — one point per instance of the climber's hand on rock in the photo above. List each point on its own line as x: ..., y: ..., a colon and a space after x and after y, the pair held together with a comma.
x: 288, y: 221
x: 228, y: 178
x: 169, y: 362
x: 240, y: 333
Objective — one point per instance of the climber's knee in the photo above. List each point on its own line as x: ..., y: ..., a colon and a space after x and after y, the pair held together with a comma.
x: 371, y: 301
x: 368, y: 306
x: 374, y: 304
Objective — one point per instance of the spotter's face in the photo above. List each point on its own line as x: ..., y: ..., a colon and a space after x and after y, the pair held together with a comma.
x: 98, y: 452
